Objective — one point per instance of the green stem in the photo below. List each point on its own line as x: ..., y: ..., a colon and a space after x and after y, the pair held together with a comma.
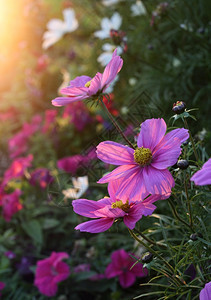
x: 191, y: 138
x: 148, y: 239
x: 170, y: 268
x: 188, y: 201
x: 176, y: 214
x: 116, y: 125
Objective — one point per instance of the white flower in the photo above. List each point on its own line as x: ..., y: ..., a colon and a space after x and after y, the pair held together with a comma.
x: 138, y: 9
x: 80, y: 185
x: 57, y: 28
x: 106, y: 56
x: 187, y: 27
x: 108, y: 24
x: 110, y: 2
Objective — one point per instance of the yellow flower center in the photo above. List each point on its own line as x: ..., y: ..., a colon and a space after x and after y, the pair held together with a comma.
x: 119, y: 204
x: 88, y: 83
x: 143, y: 156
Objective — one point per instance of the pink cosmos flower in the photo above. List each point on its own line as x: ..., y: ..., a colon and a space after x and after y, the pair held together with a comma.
x: 11, y: 204
x: 107, y: 210
x: 49, y: 272
x: 203, y: 176
x: 42, y: 177
x: 17, y: 168
x: 18, y: 144
x: 78, y: 114
x: 50, y: 118
x: 144, y: 170
x: 121, y: 267
x: 71, y: 164
x: 205, y: 293
x: 84, y: 87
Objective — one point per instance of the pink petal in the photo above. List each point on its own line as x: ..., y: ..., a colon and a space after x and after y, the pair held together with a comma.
x: 95, y: 85
x: 111, y: 271
x: 60, y: 101
x: 203, y: 176
x: 152, y: 131
x: 110, y: 212
x: 80, y: 81
x: 136, y: 212
x: 132, y: 186
x: 86, y: 207
x: 119, y: 172
x: 126, y: 279
x: 138, y: 270
x: 158, y: 181
x: 166, y: 153
x: 74, y: 91
x: 111, y: 70
x: 95, y: 226
x: 115, y: 154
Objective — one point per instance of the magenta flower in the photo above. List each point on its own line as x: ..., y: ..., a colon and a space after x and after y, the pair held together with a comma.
x: 121, y: 267
x: 18, y: 144
x: 49, y: 272
x: 144, y: 170
x: 50, y: 119
x: 17, y: 168
x: 42, y: 177
x: 84, y: 87
x: 11, y: 204
x: 203, y: 176
x: 71, y: 164
x: 205, y: 293
x: 78, y: 114
x: 107, y: 210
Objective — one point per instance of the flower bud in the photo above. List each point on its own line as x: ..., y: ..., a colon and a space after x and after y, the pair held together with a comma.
x: 147, y: 257
x: 194, y: 236
x: 179, y: 107
x: 182, y: 164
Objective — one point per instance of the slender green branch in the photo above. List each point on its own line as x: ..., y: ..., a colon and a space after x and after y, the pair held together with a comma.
x: 191, y: 138
x: 188, y: 201
x: 148, y: 239
x: 152, y: 251
x: 177, y: 215
x: 116, y: 125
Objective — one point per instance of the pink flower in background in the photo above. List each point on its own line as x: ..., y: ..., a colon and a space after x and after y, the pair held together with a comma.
x: 78, y: 115
x: 144, y: 170
x: 2, y: 286
x: 9, y: 254
x: 107, y: 210
x: 50, y: 119
x: 121, y: 267
x: 11, y: 204
x: 84, y: 87
x: 50, y: 271
x: 82, y: 268
x: 17, y: 168
x: 18, y: 144
x: 205, y: 293
x: 42, y: 177
x: 203, y: 176
x: 71, y: 164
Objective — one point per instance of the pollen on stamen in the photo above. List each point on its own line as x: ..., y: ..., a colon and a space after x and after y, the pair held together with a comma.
x: 88, y: 83
x: 143, y: 156
x: 123, y: 206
